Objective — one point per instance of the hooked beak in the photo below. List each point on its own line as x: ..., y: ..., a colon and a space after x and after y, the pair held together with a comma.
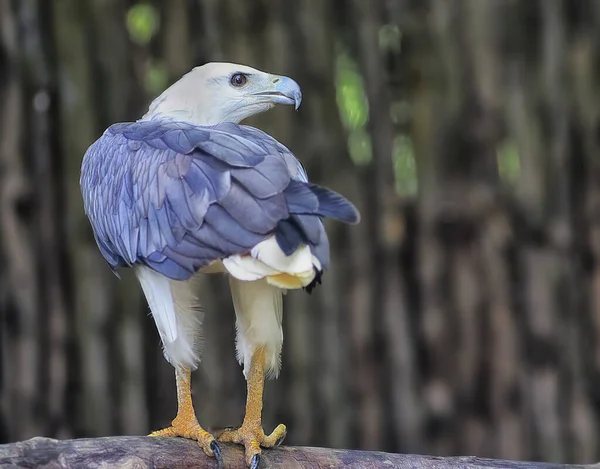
x: 283, y: 90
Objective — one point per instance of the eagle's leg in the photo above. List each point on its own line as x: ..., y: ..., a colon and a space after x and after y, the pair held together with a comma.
x: 185, y: 423
x: 251, y: 434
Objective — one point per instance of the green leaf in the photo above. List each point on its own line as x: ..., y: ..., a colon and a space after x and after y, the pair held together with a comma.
x: 351, y: 99
x: 156, y: 79
x: 142, y: 23
x: 359, y: 146
x: 509, y: 163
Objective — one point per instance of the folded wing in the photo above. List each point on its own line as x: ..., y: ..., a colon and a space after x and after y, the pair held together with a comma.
x: 176, y: 197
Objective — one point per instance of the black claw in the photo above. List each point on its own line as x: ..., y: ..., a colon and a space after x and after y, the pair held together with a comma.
x: 255, y: 461
x: 218, y: 456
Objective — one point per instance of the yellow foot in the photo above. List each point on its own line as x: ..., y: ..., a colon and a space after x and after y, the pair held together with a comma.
x: 193, y: 431
x: 253, y: 437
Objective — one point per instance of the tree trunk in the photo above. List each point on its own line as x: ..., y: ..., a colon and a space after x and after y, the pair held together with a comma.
x: 176, y: 453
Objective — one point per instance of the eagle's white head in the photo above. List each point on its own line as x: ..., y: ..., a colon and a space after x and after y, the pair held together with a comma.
x: 223, y: 92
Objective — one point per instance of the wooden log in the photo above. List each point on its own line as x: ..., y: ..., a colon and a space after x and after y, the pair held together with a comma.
x: 175, y: 453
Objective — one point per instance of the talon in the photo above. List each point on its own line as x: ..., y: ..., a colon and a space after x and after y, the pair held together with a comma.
x: 216, y: 449
x: 278, y: 435
x: 255, y: 461
x: 279, y: 440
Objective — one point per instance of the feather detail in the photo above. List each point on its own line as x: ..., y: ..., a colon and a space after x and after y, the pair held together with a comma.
x: 259, y: 312
x: 269, y: 253
x: 158, y: 293
x: 177, y: 313
x: 246, y: 268
x: 291, y: 282
x: 267, y: 260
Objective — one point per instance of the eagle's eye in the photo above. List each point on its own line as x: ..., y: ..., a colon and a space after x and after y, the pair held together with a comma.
x: 239, y: 79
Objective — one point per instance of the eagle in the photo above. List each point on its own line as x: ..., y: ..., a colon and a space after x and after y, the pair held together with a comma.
x: 186, y: 191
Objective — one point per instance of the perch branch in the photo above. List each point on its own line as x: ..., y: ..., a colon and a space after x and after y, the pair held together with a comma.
x: 174, y: 453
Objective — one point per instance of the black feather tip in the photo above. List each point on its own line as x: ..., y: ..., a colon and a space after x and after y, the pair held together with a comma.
x: 316, y: 281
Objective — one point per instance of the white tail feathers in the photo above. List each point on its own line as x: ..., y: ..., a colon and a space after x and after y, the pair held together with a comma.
x: 267, y: 260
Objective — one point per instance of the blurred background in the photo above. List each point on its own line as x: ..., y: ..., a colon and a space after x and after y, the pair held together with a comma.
x: 462, y: 316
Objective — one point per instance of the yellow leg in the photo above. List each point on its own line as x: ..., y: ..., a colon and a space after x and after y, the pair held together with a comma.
x: 185, y: 424
x: 251, y: 434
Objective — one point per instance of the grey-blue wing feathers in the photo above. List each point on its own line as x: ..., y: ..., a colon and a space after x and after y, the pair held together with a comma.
x: 176, y: 196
